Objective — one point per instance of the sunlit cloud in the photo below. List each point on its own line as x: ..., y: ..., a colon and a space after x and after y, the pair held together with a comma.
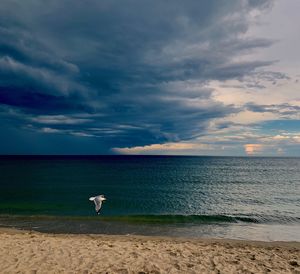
x: 167, y: 148
x: 252, y: 149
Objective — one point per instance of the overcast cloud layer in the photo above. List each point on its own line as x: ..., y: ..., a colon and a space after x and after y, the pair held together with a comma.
x: 131, y: 76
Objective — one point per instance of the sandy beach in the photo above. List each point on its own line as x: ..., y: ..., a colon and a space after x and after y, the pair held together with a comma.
x: 33, y: 252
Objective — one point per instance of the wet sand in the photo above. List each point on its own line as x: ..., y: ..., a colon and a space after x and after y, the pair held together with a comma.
x: 33, y: 252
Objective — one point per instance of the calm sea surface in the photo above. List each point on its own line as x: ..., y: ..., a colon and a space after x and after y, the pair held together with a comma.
x: 222, y: 197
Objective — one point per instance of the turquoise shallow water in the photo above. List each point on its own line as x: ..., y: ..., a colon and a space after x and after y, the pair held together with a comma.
x: 184, y: 196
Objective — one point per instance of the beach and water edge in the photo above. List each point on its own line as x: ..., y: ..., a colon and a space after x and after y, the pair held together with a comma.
x: 23, y: 251
x: 162, y: 215
x: 139, y: 244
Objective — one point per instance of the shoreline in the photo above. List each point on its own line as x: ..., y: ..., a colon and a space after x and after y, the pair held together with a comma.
x: 288, y: 244
x: 35, y: 252
x: 113, y: 226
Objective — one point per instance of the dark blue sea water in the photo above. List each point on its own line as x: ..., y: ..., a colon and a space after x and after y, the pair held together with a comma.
x: 223, y: 197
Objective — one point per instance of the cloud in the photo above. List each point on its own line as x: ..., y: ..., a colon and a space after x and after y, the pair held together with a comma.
x: 253, y: 149
x: 41, y: 76
x: 64, y: 131
x: 131, y: 75
x: 283, y: 110
x: 284, y: 139
x: 59, y: 119
x: 49, y: 130
x: 167, y: 148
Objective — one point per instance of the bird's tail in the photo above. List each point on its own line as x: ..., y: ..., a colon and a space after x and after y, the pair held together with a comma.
x: 92, y: 198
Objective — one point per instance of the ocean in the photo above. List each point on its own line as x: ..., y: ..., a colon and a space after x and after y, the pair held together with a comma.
x: 253, y: 198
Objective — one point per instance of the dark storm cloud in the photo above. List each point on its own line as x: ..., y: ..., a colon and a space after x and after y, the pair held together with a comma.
x: 129, y: 70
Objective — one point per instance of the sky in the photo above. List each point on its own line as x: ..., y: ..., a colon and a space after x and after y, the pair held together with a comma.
x: 211, y: 77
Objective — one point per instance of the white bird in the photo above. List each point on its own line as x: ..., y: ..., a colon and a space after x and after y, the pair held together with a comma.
x: 98, y: 202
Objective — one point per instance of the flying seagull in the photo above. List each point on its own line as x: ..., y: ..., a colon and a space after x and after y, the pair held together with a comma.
x: 98, y: 202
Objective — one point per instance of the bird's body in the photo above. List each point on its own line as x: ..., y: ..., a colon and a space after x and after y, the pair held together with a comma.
x: 98, y: 202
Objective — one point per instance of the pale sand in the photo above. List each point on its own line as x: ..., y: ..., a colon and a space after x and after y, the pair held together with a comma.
x: 32, y: 252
